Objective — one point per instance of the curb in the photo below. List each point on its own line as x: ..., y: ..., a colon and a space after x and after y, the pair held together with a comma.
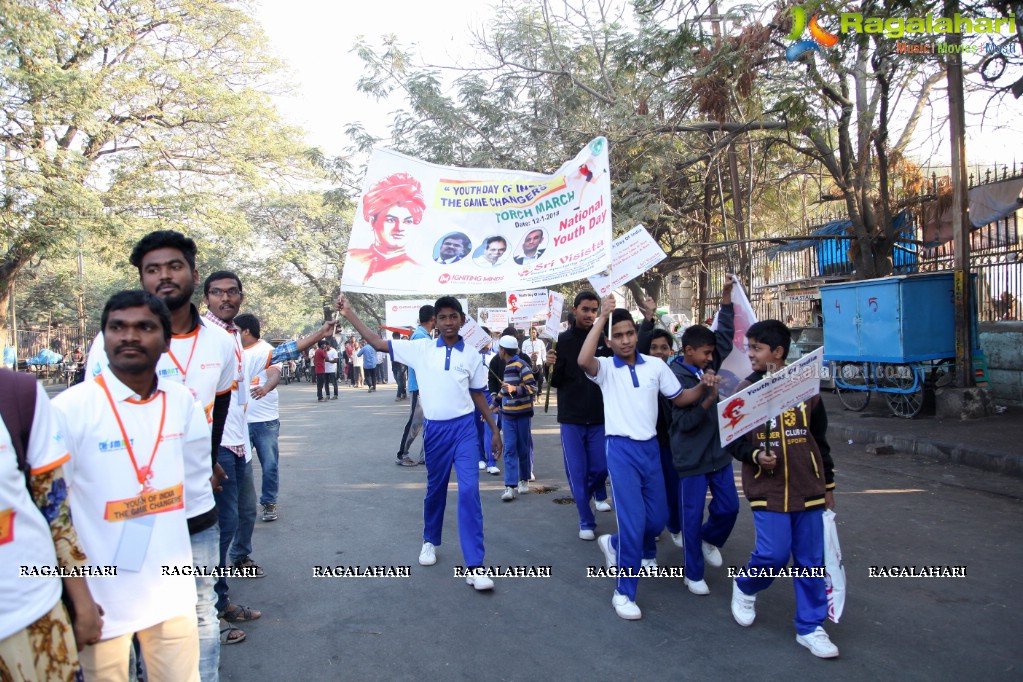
x: 949, y: 453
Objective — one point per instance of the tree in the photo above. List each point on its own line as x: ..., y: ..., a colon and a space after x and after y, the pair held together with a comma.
x: 117, y: 118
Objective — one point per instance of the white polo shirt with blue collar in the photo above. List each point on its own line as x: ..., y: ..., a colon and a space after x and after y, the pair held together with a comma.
x: 445, y: 374
x: 630, y: 394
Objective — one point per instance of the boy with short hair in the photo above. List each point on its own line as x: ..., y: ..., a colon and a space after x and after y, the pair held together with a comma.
x: 788, y: 509
x: 699, y: 461
x: 453, y: 379
x: 630, y: 383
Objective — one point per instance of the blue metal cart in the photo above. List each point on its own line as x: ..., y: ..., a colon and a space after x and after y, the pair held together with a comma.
x: 894, y: 336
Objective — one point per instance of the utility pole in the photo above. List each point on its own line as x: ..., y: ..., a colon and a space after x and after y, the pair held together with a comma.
x: 960, y: 209
x: 734, y: 183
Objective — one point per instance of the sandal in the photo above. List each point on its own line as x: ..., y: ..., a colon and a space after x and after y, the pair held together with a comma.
x: 233, y: 635
x: 235, y: 613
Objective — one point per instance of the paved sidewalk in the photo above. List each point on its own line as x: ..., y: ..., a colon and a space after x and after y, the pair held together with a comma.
x: 992, y: 444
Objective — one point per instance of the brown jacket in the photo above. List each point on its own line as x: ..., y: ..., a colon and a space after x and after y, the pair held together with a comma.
x: 804, y: 470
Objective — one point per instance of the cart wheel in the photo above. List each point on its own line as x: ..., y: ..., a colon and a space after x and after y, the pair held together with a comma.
x: 852, y: 374
x: 901, y: 377
x: 943, y: 374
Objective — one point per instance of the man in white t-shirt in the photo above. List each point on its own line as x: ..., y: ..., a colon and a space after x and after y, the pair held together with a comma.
x: 36, y: 639
x: 330, y: 365
x: 630, y: 383
x: 201, y: 357
x: 130, y: 434
x: 535, y: 349
x: 452, y: 379
x: 263, y: 416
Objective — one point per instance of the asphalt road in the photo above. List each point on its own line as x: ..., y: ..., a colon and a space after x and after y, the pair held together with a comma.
x: 344, y: 502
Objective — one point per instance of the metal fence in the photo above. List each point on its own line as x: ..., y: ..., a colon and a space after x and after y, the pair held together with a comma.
x: 61, y: 340
x: 996, y: 256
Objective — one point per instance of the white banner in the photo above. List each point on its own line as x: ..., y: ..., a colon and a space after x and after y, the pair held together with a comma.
x: 420, y: 227
x: 736, y: 366
x: 555, y: 304
x: 754, y: 405
x: 632, y: 254
x: 526, y: 306
x: 473, y: 334
x: 495, y: 319
x: 406, y: 313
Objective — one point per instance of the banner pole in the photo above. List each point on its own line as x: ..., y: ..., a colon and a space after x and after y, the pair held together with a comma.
x: 547, y: 399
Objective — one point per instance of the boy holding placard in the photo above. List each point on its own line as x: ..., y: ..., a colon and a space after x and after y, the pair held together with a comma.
x: 788, y: 477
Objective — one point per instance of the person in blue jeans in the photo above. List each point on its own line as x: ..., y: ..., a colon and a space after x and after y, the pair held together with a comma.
x: 263, y: 416
x: 369, y: 356
x: 517, y: 392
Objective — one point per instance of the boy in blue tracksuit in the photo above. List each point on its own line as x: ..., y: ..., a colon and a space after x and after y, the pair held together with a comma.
x: 789, y: 483
x: 630, y: 383
x: 453, y: 381
x: 699, y: 460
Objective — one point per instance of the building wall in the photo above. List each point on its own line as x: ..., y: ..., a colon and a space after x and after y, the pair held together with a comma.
x: 1002, y: 343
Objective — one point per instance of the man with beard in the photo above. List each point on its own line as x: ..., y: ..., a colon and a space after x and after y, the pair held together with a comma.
x: 200, y: 356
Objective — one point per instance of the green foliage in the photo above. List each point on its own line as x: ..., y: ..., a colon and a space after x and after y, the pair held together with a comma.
x: 119, y: 118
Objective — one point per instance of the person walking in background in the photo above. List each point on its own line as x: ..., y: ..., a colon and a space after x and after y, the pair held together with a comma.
x: 357, y: 363
x: 369, y: 362
x: 330, y: 368
x: 534, y: 351
x: 320, y: 367
x: 399, y: 375
x: 415, y: 408
x: 517, y: 392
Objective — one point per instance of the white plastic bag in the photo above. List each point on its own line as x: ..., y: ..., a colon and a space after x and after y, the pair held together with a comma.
x: 834, y: 577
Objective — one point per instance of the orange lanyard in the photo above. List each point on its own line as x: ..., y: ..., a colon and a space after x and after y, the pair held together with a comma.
x: 184, y: 370
x: 145, y: 472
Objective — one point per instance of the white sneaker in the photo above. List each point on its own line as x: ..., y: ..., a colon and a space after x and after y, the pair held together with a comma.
x: 677, y: 540
x: 743, y: 606
x: 483, y: 465
x: 586, y: 534
x: 479, y: 582
x: 711, y: 554
x: 648, y: 563
x: 819, y: 643
x: 508, y: 495
x: 601, y: 505
x: 697, y: 586
x: 427, y: 555
x: 625, y: 607
x: 493, y: 471
x: 523, y: 487
x: 610, y: 556
x: 532, y: 476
